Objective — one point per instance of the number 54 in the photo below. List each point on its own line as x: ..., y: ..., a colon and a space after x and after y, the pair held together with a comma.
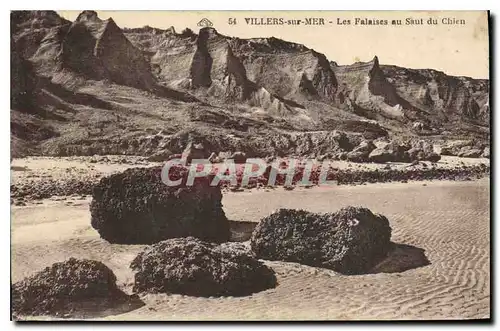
x: 232, y: 21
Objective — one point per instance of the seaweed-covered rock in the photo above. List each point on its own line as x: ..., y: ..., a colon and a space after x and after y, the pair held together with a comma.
x: 136, y: 207
x: 57, y: 290
x: 350, y: 241
x: 192, y: 267
x: 361, y: 152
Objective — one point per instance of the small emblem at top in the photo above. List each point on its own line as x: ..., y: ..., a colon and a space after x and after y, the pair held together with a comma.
x: 205, y: 23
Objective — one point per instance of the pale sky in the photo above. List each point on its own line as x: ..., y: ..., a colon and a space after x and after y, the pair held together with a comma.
x: 456, y: 49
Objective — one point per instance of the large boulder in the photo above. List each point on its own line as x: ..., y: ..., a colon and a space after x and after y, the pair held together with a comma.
x: 433, y: 157
x: 238, y: 157
x: 361, y: 152
x: 381, y: 155
x: 213, y: 158
x: 470, y: 151
x: 415, y: 154
x: 136, y: 207
x: 343, y: 141
x: 389, y: 152
x: 160, y: 156
x: 350, y: 241
x: 452, y: 148
x: 193, y: 267
x: 404, y: 152
x: 486, y: 152
x: 422, y: 151
x: 463, y: 148
x: 59, y: 289
x: 196, y: 149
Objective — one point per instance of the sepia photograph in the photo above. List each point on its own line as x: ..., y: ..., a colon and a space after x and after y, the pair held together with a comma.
x: 250, y: 165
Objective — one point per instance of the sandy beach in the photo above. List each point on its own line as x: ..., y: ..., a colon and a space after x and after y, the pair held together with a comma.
x: 448, y: 220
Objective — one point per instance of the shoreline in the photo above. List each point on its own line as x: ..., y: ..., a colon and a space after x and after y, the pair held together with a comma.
x: 38, y: 178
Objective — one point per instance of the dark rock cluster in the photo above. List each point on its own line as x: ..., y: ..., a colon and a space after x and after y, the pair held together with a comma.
x: 239, y: 157
x: 83, y: 185
x: 465, y: 148
x: 193, y: 267
x: 486, y: 152
x: 196, y: 150
x: 397, y: 152
x: 362, y: 152
x: 160, y: 156
x: 350, y: 241
x: 390, y: 152
x: 58, y: 289
x: 458, y: 173
x: 47, y: 187
x: 136, y: 207
x: 422, y: 151
x: 361, y: 176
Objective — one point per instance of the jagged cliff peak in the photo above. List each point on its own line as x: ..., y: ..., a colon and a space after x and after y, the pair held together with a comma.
x: 268, y: 45
x: 208, y: 33
x: 31, y: 14
x: 375, y: 67
x: 88, y: 16
x: 149, y: 30
x: 170, y: 30
x: 35, y: 19
x: 111, y: 27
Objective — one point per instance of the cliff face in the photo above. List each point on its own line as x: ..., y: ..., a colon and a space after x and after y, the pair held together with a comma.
x: 77, y: 73
x: 22, y: 81
x: 213, y: 63
x: 205, y: 64
x: 365, y: 87
x: 33, y: 30
x: 89, y: 46
x: 215, y: 67
x: 30, y: 20
x: 287, y: 69
x: 450, y: 97
x: 99, y: 50
x: 379, y: 86
x: 292, y: 72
